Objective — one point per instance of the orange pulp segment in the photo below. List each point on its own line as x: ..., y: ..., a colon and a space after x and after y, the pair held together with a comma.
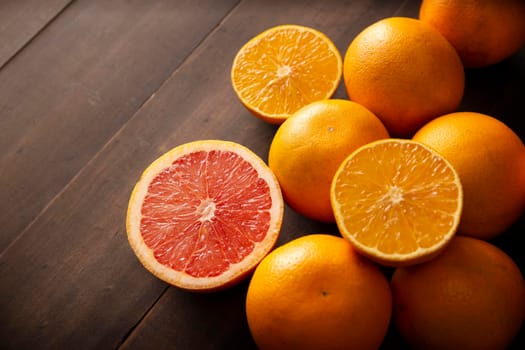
x: 283, y: 69
x: 397, y: 201
x: 204, y: 214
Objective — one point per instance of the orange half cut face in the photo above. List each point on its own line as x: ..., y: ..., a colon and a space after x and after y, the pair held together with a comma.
x: 397, y: 201
x: 283, y: 69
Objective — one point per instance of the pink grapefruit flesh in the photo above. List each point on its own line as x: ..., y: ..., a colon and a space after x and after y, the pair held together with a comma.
x: 204, y: 214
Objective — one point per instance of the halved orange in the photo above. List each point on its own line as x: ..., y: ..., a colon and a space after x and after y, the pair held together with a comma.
x: 397, y: 201
x: 285, y: 68
x: 204, y: 214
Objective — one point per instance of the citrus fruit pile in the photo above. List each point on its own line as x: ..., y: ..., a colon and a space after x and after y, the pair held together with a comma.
x: 415, y: 187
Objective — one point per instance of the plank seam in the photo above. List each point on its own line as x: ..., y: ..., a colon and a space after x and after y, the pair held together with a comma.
x: 176, y: 70
x: 36, y: 34
x: 118, y: 132
x: 130, y: 332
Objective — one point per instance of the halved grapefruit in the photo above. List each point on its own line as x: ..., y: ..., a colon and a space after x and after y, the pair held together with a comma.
x: 204, y: 214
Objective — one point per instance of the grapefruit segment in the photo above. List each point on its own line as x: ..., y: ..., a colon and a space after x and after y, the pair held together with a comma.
x: 204, y: 214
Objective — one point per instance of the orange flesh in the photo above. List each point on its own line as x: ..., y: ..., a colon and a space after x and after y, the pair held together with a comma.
x: 398, y: 199
x: 205, y: 212
x: 285, y: 71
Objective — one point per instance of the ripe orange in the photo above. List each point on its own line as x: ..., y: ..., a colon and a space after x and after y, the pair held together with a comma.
x: 204, y: 214
x: 483, y: 32
x: 316, y: 292
x: 284, y: 68
x: 472, y: 296
x: 397, y: 201
x: 490, y: 160
x: 308, y: 148
x: 405, y: 72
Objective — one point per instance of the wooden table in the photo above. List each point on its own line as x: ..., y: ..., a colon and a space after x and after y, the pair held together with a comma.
x: 92, y: 91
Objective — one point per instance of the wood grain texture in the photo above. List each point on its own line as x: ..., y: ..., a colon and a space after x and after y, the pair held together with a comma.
x: 104, y: 90
x: 66, y: 281
x: 65, y: 95
x: 22, y: 20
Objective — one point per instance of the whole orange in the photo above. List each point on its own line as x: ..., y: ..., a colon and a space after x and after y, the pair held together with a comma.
x: 472, y: 296
x: 308, y: 148
x: 316, y: 292
x: 405, y: 72
x: 490, y: 160
x: 483, y: 32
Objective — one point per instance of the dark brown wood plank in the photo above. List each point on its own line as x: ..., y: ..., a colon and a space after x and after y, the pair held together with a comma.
x: 85, y: 75
x: 71, y: 280
x: 61, y: 99
x: 198, y: 321
x: 22, y: 20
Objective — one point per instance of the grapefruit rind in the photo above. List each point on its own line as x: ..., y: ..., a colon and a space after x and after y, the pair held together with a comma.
x: 272, y: 117
x: 235, y: 272
x: 396, y: 259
